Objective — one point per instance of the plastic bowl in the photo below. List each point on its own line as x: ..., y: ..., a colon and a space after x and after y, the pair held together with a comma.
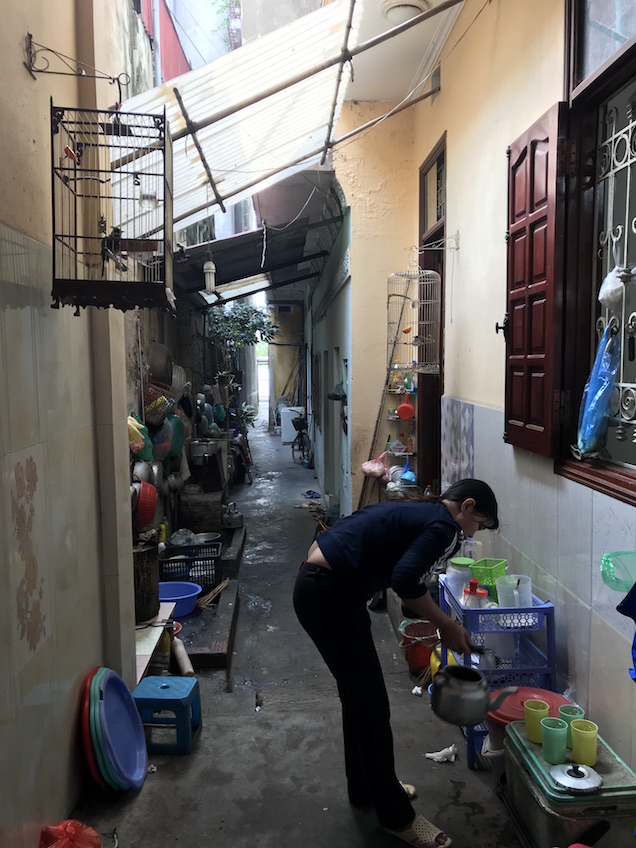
x: 146, y: 504
x: 183, y: 594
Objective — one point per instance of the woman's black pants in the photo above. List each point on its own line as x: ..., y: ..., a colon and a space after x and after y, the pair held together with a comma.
x: 334, y: 614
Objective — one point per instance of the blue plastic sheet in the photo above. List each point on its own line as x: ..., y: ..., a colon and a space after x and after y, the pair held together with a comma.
x: 593, y: 412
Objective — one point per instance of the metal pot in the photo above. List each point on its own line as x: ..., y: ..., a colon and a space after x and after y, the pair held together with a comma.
x: 231, y: 517
x: 461, y: 696
x: 199, y: 449
x: 142, y: 472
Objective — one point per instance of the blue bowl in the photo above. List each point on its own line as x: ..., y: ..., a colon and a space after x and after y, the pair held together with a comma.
x: 183, y: 594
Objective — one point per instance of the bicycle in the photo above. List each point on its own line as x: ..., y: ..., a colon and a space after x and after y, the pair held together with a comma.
x: 301, y: 446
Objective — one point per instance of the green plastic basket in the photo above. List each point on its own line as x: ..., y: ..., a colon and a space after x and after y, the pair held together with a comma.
x: 487, y: 571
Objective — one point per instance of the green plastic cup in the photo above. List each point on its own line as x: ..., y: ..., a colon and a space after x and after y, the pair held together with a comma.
x: 554, y: 734
x: 584, y: 740
x: 570, y: 712
x: 534, y: 711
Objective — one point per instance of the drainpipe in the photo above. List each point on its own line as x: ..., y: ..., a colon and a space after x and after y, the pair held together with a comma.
x: 156, y: 30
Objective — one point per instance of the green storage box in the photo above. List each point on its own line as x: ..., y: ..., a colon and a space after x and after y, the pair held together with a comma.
x: 546, y: 814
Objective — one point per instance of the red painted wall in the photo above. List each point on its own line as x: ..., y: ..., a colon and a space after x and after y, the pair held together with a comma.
x: 173, y: 59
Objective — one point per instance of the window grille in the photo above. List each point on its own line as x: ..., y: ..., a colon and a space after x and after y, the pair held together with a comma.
x: 616, y: 248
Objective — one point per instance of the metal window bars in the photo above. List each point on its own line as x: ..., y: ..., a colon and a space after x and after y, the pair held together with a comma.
x: 616, y: 249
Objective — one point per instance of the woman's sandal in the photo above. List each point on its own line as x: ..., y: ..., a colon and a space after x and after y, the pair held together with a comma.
x: 422, y: 833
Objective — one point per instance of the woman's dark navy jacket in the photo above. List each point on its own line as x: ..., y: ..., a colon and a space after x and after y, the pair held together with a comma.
x: 391, y: 545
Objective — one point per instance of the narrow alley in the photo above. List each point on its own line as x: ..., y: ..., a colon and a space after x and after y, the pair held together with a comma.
x: 268, y: 767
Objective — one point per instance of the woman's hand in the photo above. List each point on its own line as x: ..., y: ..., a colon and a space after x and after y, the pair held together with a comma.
x: 455, y: 637
x: 451, y: 632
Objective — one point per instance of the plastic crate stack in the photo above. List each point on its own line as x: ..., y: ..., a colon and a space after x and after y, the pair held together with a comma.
x: 197, y: 563
x: 527, y: 665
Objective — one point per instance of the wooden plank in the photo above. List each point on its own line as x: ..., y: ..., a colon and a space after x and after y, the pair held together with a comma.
x: 208, y: 635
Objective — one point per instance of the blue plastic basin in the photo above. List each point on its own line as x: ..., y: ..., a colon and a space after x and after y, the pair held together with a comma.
x: 183, y: 594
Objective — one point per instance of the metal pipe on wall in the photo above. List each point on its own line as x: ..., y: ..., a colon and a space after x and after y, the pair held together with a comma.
x: 156, y: 40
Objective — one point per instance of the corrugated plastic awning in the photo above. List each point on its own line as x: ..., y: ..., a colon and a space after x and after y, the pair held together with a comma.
x: 255, y: 115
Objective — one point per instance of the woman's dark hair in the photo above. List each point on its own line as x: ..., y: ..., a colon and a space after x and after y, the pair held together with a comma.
x: 481, y: 493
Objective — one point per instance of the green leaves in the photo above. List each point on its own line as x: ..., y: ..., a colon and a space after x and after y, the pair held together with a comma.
x: 238, y: 326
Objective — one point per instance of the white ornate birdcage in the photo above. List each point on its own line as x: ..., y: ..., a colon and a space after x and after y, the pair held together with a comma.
x: 413, y: 321
x: 112, y: 209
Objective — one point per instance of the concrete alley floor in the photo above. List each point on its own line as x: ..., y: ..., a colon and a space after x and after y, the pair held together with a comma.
x: 274, y: 777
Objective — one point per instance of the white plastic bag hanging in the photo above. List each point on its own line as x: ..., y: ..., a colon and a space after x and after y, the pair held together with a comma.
x: 611, y: 292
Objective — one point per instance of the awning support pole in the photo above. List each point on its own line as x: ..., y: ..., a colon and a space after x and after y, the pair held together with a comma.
x: 204, y: 161
x: 300, y: 159
x: 344, y: 57
x: 361, y: 48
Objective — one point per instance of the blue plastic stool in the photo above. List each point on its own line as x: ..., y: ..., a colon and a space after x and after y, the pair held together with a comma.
x: 178, y: 695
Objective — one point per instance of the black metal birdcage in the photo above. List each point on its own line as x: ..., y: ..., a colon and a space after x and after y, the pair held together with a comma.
x: 112, y: 209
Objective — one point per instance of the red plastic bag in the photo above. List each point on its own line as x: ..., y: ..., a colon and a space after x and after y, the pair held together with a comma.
x: 69, y: 834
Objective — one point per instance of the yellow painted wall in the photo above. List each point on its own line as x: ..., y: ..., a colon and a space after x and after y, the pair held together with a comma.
x: 501, y: 69
x: 375, y: 170
x: 24, y: 105
x: 66, y: 559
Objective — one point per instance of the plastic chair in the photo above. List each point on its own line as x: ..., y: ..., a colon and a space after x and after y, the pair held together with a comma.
x: 155, y: 696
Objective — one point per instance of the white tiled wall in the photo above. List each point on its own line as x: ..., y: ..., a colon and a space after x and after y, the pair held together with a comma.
x: 556, y: 531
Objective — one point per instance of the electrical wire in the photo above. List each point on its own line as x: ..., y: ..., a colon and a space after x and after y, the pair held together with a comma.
x: 198, y: 25
x: 417, y: 85
x: 293, y: 221
x: 176, y: 22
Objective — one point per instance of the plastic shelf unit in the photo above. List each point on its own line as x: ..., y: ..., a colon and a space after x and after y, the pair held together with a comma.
x: 525, y: 665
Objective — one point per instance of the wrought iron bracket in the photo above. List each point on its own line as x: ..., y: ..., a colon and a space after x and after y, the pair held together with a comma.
x: 38, y: 62
x: 447, y: 243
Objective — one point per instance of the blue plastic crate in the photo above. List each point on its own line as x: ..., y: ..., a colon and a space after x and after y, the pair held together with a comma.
x: 529, y: 666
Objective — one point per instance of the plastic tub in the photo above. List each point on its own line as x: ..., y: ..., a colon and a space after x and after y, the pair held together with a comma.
x: 183, y: 594
x: 458, y: 574
x: 514, y: 590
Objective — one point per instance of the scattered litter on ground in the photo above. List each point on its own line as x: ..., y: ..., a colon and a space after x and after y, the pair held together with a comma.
x: 311, y: 494
x: 152, y: 769
x: 417, y: 690
x: 445, y: 755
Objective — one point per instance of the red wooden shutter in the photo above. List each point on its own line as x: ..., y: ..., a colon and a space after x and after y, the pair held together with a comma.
x: 536, y: 207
